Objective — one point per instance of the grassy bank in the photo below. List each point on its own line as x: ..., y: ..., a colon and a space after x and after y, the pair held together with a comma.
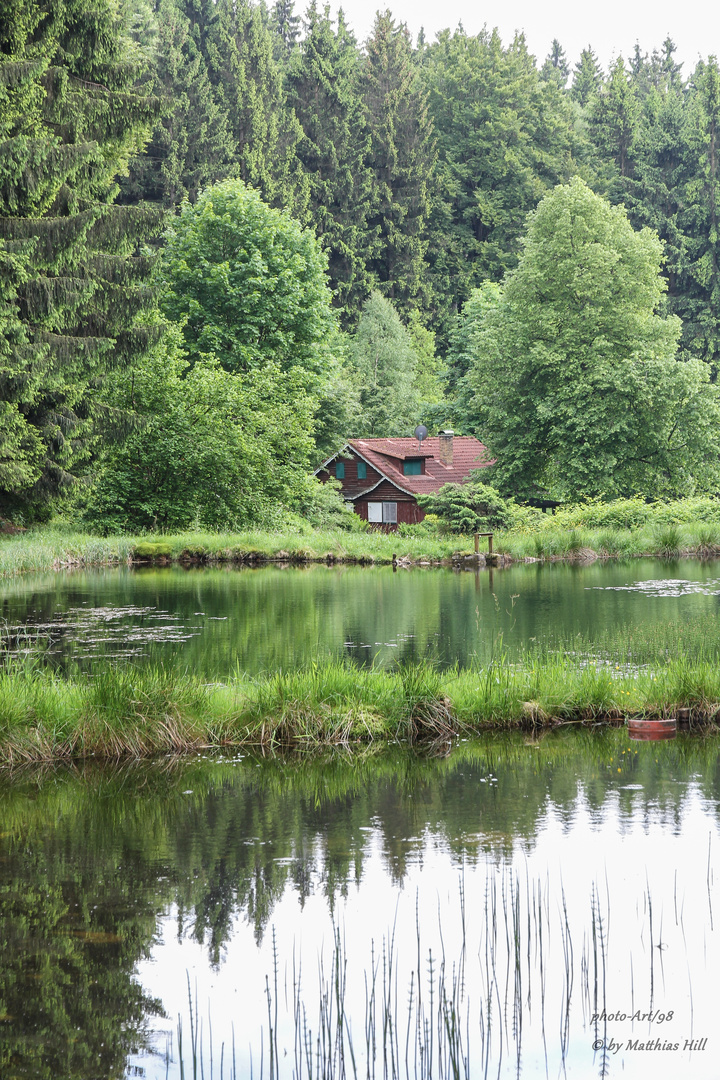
x: 126, y: 712
x: 56, y: 548
x: 51, y: 549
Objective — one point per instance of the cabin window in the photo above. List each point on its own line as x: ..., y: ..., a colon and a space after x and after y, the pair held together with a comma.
x: 382, y: 513
x: 339, y: 470
x: 413, y: 467
x: 362, y: 470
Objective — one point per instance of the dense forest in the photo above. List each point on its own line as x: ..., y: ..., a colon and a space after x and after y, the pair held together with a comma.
x: 231, y: 236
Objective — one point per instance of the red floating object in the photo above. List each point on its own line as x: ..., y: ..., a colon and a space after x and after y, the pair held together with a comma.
x: 652, y: 730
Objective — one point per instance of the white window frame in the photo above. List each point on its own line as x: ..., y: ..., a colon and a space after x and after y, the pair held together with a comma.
x: 382, y: 513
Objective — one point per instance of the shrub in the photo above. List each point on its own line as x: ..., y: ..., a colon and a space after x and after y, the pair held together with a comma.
x: 471, y: 507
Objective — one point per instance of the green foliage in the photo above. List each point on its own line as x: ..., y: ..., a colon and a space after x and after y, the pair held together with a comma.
x: 577, y: 388
x: 471, y: 507
x: 210, y: 448
x: 191, y: 145
x: 148, y: 550
x: 383, y: 364
x: 614, y: 114
x: 402, y: 156
x: 72, y: 302
x: 698, y: 262
x: 587, y: 77
x: 322, y: 88
x: 556, y: 68
x: 504, y: 137
x: 247, y: 77
x: 321, y: 506
x: 247, y: 284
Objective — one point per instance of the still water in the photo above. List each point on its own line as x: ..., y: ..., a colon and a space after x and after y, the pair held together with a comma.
x: 392, y: 909
x: 211, y: 620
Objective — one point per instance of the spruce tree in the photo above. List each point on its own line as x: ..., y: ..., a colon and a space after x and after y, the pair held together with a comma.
x: 73, y: 284
x: 323, y: 91
x: 556, y: 68
x: 587, y: 77
x: 249, y: 87
x: 505, y: 136
x: 614, y: 120
x: 402, y: 157
x: 191, y: 146
x: 286, y: 25
x: 698, y: 294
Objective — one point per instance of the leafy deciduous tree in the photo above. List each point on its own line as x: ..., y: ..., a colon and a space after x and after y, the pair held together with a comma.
x: 384, y: 365
x: 247, y: 284
x: 210, y: 448
x: 578, y: 389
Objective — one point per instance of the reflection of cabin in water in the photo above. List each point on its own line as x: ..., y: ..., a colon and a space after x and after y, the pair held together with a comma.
x: 383, y: 477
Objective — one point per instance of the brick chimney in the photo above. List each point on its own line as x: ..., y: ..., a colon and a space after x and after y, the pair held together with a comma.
x: 446, y: 447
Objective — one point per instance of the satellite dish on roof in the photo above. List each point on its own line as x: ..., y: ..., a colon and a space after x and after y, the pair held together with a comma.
x: 421, y: 432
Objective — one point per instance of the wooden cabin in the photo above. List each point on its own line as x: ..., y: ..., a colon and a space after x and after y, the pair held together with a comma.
x: 383, y: 477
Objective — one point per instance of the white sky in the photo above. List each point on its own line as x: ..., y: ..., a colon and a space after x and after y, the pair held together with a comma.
x: 610, y: 27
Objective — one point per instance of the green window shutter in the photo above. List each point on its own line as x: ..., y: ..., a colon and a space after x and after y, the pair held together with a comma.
x: 412, y: 468
x: 339, y: 470
x: 361, y: 470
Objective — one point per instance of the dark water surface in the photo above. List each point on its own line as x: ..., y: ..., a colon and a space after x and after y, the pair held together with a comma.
x: 212, y: 620
x: 517, y: 886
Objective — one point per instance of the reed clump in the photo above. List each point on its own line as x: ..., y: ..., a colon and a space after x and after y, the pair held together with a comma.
x: 127, y: 712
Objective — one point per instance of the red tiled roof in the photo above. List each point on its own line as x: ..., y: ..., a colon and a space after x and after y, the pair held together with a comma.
x: 387, y: 455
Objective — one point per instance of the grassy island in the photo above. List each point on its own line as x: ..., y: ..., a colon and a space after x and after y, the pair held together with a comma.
x: 138, y: 713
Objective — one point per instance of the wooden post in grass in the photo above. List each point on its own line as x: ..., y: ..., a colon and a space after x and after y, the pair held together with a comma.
x: 477, y: 536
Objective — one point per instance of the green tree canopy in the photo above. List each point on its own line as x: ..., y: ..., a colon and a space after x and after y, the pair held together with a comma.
x: 577, y: 387
x: 72, y: 295
x: 505, y: 136
x: 322, y: 85
x: 384, y: 365
x: 209, y: 448
x: 402, y: 157
x: 247, y: 283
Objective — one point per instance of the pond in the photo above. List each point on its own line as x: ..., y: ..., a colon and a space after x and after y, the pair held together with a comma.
x: 211, y: 620
x: 516, y: 908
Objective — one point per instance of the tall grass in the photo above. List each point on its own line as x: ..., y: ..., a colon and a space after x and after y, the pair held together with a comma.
x: 525, y: 975
x: 141, y: 712
x: 623, y: 528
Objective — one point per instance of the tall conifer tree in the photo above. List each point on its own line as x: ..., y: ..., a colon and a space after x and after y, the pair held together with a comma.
x: 191, y: 146
x: 698, y: 294
x: 323, y: 91
x: 286, y: 25
x: 505, y: 136
x: 402, y: 157
x: 556, y: 68
x: 72, y: 290
x: 250, y: 89
x: 587, y: 77
x: 614, y: 121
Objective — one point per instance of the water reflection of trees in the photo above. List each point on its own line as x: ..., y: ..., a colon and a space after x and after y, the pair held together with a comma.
x: 90, y: 862
x: 268, y: 618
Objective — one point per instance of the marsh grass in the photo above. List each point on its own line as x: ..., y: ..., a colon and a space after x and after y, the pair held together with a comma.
x: 626, y: 528
x: 58, y: 548
x: 524, y: 966
x: 131, y: 712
